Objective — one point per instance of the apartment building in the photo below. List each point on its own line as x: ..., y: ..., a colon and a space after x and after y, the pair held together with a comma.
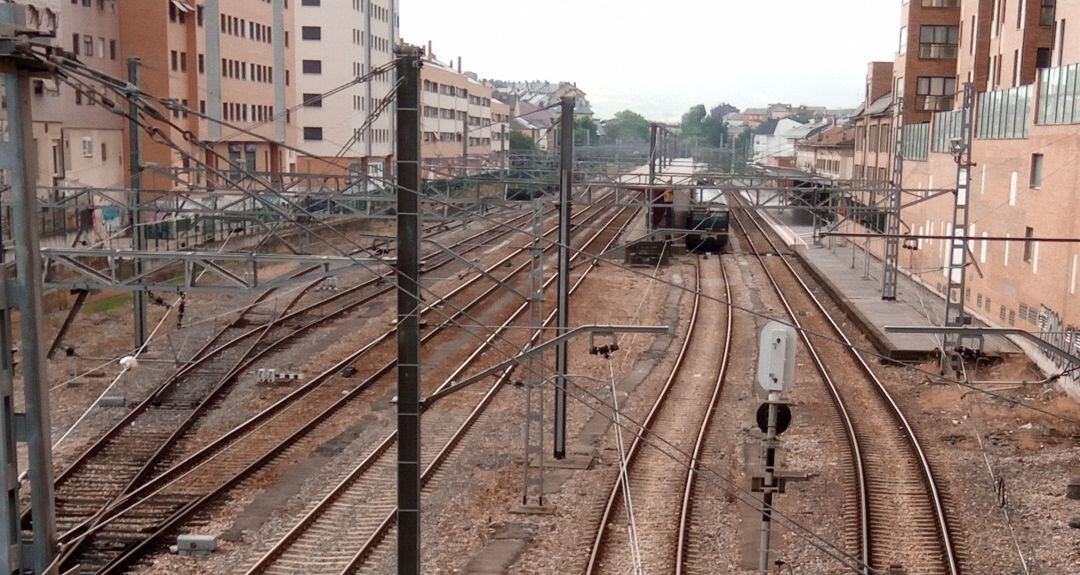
x: 335, y: 43
x: 231, y: 60
x: 79, y: 143
x: 459, y: 122
x: 829, y: 152
x: 924, y: 71
x: 873, y: 124
x: 1024, y: 59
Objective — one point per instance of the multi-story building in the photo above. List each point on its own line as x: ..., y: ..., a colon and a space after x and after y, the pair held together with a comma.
x: 79, y: 143
x: 924, y: 71
x: 336, y: 42
x: 458, y: 122
x: 829, y: 152
x: 873, y: 126
x: 1026, y: 136
x: 233, y: 62
x: 1012, y: 41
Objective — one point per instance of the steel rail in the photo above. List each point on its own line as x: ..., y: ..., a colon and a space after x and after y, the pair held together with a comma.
x: 682, y: 545
x: 940, y: 516
x: 614, y: 495
x: 247, y: 358
x: 852, y: 437
x: 429, y: 472
x: 182, y: 469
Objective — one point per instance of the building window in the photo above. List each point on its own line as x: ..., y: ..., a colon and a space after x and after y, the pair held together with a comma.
x: 1046, y: 12
x: 312, y: 133
x: 183, y: 61
x: 312, y: 66
x: 903, y: 40
x: 1029, y: 244
x: 313, y: 100
x: 935, y: 93
x: 940, y: 3
x: 311, y: 33
x: 1036, y: 170
x: 311, y: 3
x: 112, y: 49
x: 88, y: 45
x: 938, y: 42
x: 172, y: 58
x: 1043, y: 58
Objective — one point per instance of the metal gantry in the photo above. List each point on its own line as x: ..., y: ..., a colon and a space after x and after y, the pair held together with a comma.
x: 955, y: 313
x: 891, y: 269
x: 23, y: 293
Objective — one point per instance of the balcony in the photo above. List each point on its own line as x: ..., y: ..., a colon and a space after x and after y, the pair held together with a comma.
x: 937, y: 51
x: 934, y: 103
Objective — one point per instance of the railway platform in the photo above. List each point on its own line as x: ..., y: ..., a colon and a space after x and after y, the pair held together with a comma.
x: 841, y: 267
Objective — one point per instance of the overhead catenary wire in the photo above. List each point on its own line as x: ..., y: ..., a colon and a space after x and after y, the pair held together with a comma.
x: 414, y: 191
x: 733, y: 306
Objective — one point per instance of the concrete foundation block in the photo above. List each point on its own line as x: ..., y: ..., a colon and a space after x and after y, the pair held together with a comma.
x: 1073, y: 491
x: 191, y: 545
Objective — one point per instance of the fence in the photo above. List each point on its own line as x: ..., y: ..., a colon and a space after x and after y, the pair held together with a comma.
x: 1005, y: 114
x: 916, y: 141
x: 1058, y: 99
x: 947, y: 126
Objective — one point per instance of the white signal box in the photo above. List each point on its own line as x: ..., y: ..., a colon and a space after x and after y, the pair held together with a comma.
x: 776, y: 357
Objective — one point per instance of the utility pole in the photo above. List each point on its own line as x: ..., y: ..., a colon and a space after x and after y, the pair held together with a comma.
x: 408, y: 304
x: 533, y: 483
x: 138, y: 234
x: 652, y: 180
x: 955, y: 313
x: 465, y: 140
x: 889, y: 278
x: 566, y: 180
x: 32, y: 427
x: 505, y: 155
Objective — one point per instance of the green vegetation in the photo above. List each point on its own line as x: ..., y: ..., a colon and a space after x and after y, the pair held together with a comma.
x: 585, y: 131
x: 521, y: 143
x: 707, y: 129
x: 627, y: 127
x: 107, y: 304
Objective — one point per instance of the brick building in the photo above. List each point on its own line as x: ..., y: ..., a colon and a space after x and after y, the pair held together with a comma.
x: 873, y: 138
x: 230, y: 60
x: 1023, y: 59
x: 924, y: 71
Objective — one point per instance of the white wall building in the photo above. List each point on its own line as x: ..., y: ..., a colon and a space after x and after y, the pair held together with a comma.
x: 776, y: 144
x: 336, y: 41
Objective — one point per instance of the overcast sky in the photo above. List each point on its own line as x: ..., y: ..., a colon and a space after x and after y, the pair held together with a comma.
x: 659, y: 57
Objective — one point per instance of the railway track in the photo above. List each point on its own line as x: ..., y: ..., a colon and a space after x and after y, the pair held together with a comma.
x: 134, y: 521
x: 318, y: 544
x: 364, y: 500
x: 659, y: 487
x: 131, y: 450
x: 897, y: 514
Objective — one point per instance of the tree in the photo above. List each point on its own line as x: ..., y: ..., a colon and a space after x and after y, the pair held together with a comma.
x: 585, y: 131
x: 692, y: 127
x: 722, y: 110
x: 627, y: 127
x: 521, y: 143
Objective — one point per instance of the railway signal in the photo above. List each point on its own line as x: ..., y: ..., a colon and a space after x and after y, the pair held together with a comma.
x: 776, y: 373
